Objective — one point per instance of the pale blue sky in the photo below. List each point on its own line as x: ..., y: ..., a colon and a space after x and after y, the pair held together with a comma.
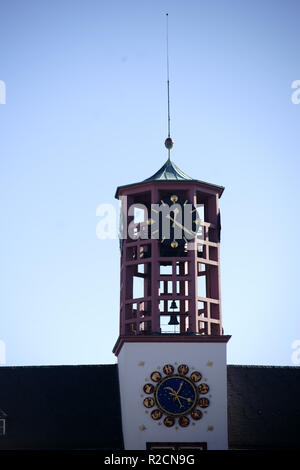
x: 86, y: 111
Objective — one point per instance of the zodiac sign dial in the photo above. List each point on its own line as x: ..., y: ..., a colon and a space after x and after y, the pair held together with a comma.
x: 176, y: 395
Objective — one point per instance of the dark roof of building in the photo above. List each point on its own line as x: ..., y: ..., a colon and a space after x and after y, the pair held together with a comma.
x: 263, y: 407
x: 170, y: 172
x: 78, y: 407
x: 61, y: 407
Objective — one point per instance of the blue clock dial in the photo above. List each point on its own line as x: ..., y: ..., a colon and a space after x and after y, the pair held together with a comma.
x: 176, y: 395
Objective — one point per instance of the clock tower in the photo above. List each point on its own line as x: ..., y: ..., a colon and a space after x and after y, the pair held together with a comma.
x: 171, y: 348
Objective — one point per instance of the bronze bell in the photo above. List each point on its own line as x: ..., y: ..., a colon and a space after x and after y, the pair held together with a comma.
x: 173, y: 320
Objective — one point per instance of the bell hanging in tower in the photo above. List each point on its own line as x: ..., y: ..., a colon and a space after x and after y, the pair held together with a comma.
x: 173, y: 317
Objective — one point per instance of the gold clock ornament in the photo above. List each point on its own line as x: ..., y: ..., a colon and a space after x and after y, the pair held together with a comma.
x: 175, y: 222
x: 173, y: 394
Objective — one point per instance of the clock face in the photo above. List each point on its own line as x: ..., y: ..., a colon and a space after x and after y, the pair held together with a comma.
x: 176, y: 395
x: 174, y: 221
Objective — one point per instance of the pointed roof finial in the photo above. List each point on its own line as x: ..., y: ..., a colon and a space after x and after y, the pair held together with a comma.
x: 168, y: 141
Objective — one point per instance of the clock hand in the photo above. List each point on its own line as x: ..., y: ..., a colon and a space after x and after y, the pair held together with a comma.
x: 184, y: 228
x: 180, y: 404
x: 189, y: 400
x: 172, y: 389
x: 175, y: 215
x: 176, y: 397
x: 181, y: 226
x: 173, y: 393
x: 179, y: 388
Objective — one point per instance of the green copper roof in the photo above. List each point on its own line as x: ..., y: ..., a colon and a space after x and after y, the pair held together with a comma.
x: 169, y: 171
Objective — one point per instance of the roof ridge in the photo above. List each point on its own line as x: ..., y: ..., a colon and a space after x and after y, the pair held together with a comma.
x: 49, y: 366
x: 262, y: 366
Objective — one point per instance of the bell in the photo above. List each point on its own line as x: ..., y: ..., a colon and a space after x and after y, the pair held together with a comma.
x: 173, y: 317
x: 173, y: 320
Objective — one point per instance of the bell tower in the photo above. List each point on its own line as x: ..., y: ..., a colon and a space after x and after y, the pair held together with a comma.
x: 171, y: 348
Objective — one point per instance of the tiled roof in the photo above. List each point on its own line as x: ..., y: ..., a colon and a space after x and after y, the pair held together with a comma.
x: 263, y: 407
x: 61, y: 407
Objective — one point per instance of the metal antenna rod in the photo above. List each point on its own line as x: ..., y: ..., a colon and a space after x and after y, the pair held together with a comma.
x: 168, y: 75
x: 168, y: 141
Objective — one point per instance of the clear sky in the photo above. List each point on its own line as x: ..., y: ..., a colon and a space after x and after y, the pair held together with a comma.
x: 86, y: 111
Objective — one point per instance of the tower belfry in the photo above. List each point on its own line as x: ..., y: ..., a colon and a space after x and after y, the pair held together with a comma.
x: 188, y: 273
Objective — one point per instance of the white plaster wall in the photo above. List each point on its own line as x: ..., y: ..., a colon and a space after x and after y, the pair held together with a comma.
x: 136, y: 361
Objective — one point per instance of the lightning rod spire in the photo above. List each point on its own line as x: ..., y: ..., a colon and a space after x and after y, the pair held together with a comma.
x: 168, y: 141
